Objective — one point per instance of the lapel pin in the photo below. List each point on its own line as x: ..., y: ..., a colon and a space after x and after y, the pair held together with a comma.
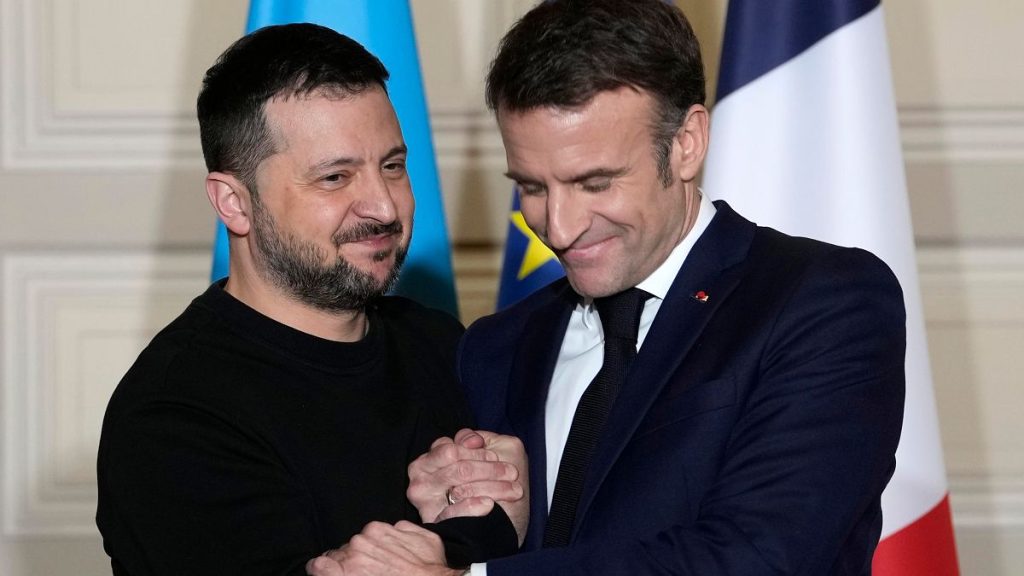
x: 701, y: 296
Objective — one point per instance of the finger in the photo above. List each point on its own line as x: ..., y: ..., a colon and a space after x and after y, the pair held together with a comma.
x: 381, y: 542
x: 467, y: 471
x: 324, y: 566
x: 447, y: 453
x: 504, y: 444
x: 495, y: 490
x: 338, y: 554
x: 429, y: 479
x: 424, y: 482
x: 469, y: 438
x: 405, y: 541
x: 477, y: 506
x: 487, y: 435
x: 406, y: 526
x: 456, y: 452
x: 415, y: 536
x: 442, y: 440
x: 424, y: 543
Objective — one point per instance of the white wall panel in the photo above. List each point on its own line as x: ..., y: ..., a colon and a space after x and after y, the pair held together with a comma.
x: 974, y: 305
x: 73, y: 324
x: 959, y: 84
x: 102, y: 84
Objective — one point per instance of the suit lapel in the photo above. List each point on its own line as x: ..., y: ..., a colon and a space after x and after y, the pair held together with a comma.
x: 713, y: 267
x: 532, y: 367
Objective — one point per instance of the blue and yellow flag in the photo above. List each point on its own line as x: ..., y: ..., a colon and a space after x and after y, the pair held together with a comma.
x: 385, y: 28
x: 528, y: 264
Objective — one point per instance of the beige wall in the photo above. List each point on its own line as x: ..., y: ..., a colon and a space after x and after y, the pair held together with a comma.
x: 105, y: 231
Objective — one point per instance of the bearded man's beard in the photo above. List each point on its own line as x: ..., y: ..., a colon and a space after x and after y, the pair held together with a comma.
x: 298, y: 266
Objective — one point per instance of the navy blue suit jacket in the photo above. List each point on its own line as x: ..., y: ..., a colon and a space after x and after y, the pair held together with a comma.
x: 755, y: 431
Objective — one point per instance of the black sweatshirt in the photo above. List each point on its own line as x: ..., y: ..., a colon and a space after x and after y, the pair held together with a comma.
x: 238, y: 445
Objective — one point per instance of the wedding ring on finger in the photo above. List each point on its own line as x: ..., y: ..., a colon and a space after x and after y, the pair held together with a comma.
x: 448, y: 496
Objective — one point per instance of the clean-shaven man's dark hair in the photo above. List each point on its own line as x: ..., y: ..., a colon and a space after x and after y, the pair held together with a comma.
x: 562, y: 53
x: 273, y: 62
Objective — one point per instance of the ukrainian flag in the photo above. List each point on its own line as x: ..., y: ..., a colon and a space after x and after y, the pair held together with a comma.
x: 385, y: 28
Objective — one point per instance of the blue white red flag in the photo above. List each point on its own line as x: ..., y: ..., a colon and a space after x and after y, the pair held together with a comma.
x: 805, y: 139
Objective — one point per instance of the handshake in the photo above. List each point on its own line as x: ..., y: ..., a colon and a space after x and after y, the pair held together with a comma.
x: 462, y: 476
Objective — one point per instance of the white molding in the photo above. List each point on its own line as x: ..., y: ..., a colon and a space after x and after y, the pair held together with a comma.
x: 965, y: 289
x: 36, y: 135
x: 54, y: 306
x: 964, y: 133
x: 972, y: 285
x: 980, y: 501
x: 467, y: 138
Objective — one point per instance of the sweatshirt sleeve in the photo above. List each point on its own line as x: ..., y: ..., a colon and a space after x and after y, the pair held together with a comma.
x: 183, y: 490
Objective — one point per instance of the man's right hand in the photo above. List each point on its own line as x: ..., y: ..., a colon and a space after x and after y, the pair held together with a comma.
x: 477, y: 468
x: 381, y: 549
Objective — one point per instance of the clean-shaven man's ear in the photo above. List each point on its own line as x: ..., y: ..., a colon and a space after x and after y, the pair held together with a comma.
x: 692, y: 142
x: 230, y: 200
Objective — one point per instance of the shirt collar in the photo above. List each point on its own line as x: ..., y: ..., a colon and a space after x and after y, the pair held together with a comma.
x: 659, y: 282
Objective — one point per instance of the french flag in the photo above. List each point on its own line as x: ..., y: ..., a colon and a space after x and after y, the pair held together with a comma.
x: 805, y: 139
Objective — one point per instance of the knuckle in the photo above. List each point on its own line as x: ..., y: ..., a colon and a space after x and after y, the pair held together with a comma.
x: 358, y: 542
x: 449, y: 452
x: 414, y: 467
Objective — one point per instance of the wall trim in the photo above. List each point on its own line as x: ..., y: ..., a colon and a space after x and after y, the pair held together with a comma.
x: 36, y: 135
x: 962, y: 133
x: 980, y: 501
x: 40, y: 495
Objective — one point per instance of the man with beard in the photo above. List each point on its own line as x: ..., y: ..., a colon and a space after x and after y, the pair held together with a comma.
x: 277, y: 415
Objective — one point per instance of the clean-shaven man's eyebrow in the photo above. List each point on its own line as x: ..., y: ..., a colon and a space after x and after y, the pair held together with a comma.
x: 599, y: 173
x: 400, y: 150
x: 595, y: 173
x: 519, y: 178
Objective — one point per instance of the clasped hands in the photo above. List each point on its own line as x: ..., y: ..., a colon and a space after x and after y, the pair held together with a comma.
x: 474, y: 470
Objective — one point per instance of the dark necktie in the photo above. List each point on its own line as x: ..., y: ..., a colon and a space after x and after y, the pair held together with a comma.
x: 620, y: 318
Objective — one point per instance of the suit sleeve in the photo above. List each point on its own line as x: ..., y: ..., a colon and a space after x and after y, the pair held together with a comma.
x: 809, y: 455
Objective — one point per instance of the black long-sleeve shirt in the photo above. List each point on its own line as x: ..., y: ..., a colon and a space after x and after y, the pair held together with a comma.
x: 236, y: 444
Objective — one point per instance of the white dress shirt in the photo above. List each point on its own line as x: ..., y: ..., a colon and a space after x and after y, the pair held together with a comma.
x: 582, y: 351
